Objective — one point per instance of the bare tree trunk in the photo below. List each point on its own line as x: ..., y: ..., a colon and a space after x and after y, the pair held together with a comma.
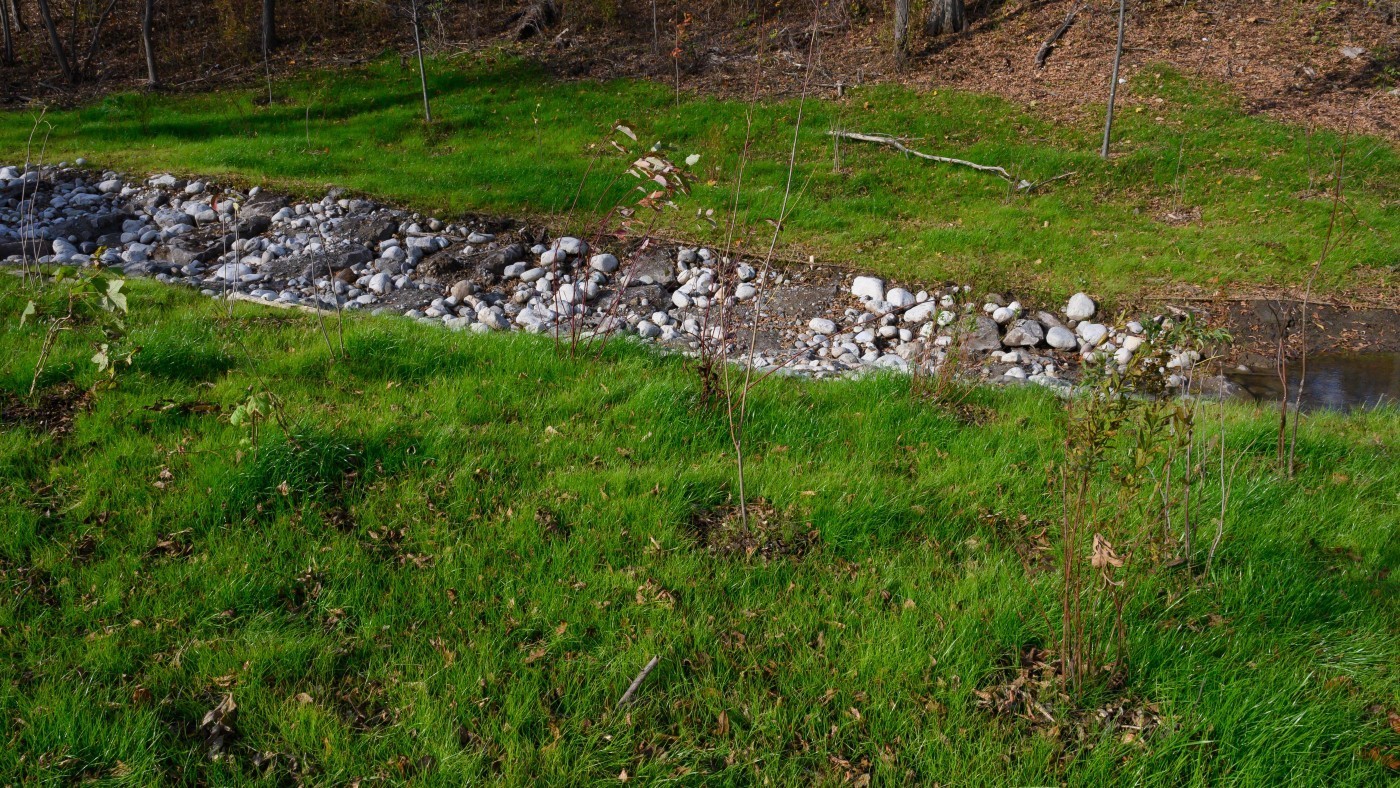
x: 9, y: 38
x: 945, y: 16
x: 96, y: 36
x: 269, y: 26
x: 1113, y: 84
x: 147, y: 21
x: 422, y: 72
x: 18, y: 14
x: 901, y: 31
x: 56, y: 43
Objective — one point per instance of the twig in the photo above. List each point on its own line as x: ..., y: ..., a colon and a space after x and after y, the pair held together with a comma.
x: 1049, y: 45
x: 1030, y: 187
x: 637, y: 683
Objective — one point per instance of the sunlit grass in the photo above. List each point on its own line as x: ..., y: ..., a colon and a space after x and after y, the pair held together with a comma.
x: 511, y: 140
x: 382, y: 596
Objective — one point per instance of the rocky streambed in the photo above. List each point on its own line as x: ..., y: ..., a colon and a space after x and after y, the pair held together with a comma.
x: 343, y: 252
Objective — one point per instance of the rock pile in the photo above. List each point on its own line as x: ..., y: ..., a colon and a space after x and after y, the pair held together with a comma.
x: 347, y: 253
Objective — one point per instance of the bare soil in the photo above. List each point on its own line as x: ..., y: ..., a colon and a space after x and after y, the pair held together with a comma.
x: 50, y: 410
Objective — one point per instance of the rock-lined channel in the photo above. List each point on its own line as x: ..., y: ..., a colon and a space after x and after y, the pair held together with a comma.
x: 355, y: 254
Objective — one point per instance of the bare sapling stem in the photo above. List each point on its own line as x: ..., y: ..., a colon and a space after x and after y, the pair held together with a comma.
x: 738, y: 423
x: 1113, y: 83
x: 28, y: 234
x: 415, y: 10
x: 1307, y: 295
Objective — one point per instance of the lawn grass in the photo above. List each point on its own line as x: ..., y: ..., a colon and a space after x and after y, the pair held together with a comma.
x: 469, y: 545
x: 511, y: 140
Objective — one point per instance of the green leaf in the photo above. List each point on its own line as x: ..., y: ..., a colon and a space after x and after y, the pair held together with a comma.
x: 115, y: 294
x: 101, y: 359
x: 29, y: 311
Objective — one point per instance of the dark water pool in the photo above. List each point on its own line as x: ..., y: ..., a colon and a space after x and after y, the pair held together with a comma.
x: 1339, y: 382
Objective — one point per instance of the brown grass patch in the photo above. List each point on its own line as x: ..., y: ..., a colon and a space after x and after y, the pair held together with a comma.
x: 52, y: 411
x: 768, y: 534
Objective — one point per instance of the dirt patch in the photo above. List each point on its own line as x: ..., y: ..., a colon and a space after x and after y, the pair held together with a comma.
x: 768, y: 533
x: 364, y: 706
x: 52, y: 411
x: 550, y: 525
x: 1029, y: 538
x: 1030, y: 692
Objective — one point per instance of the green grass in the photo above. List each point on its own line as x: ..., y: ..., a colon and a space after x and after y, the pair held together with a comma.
x: 382, y: 596
x: 511, y: 140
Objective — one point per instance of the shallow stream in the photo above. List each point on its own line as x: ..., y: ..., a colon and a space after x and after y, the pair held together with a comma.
x: 1337, y: 382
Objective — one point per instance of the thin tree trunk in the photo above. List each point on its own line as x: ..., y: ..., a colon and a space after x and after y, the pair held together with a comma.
x: 18, y: 14
x: 56, y: 43
x: 96, y: 36
x: 901, y: 31
x: 945, y: 16
x: 147, y: 21
x: 269, y: 26
x: 422, y: 72
x: 1113, y: 85
x: 9, y: 38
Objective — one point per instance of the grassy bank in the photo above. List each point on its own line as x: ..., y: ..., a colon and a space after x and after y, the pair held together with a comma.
x: 1248, y: 192
x: 468, y: 546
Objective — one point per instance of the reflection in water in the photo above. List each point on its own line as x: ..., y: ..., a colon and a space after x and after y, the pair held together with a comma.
x: 1336, y: 382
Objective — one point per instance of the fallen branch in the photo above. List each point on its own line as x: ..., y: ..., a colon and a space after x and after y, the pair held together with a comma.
x: 881, y: 139
x: 637, y: 682
x: 1049, y: 45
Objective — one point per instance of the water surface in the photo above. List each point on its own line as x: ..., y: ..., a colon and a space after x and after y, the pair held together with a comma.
x: 1338, y: 382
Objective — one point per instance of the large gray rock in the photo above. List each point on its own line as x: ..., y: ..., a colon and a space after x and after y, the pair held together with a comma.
x: 381, y: 283
x: 1080, y: 307
x: 1061, y: 338
x: 1091, y: 333
x: 1024, y: 333
x: 984, y: 336
x: 369, y: 228
x: 603, y: 262
x: 868, y: 287
x: 900, y: 298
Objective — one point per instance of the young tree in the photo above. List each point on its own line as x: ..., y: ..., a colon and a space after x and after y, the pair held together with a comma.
x: 9, y: 39
x: 269, y: 26
x: 86, y: 64
x: 147, y: 21
x: 17, y: 12
x: 413, y: 9
x: 945, y: 16
x: 56, y: 43
x: 1113, y: 82
x: 901, y: 31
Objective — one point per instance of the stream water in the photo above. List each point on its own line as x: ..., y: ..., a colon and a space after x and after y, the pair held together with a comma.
x: 1338, y: 382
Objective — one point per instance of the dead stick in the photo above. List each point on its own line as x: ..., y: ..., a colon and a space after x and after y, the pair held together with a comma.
x: 637, y: 682
x: 881, y: 139
x: 1049, y: 45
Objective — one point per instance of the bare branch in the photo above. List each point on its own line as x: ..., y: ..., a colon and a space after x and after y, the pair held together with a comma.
x: 637, y: 682
x: 1049, y: 45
